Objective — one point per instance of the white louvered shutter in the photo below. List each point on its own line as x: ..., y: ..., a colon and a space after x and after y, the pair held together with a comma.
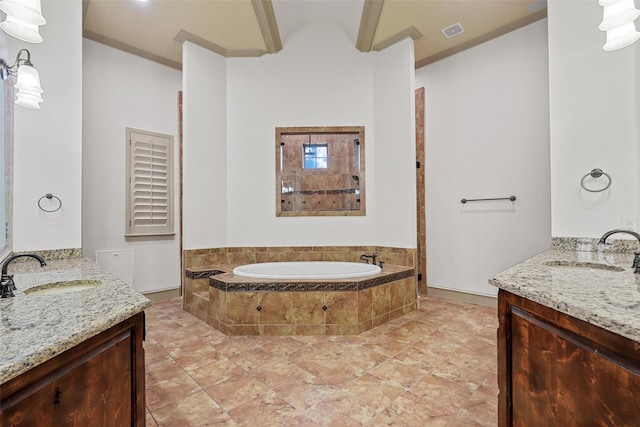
x: 149, y: 184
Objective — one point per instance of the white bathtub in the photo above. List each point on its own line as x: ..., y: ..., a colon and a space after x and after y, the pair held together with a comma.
x: 307, y: 270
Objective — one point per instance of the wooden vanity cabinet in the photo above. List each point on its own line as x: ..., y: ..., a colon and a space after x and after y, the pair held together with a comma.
x: 556, y: 370
x: 99, y: 382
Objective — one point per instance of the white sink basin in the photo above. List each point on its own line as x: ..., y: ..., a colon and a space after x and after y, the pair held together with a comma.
x: 62, y: 287
x: 583, y: 265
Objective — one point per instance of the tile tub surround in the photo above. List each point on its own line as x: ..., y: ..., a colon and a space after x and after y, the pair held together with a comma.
x: 605, y: 298
x: 35, y: 328
x: 238, y: 305
x: 205, y: 258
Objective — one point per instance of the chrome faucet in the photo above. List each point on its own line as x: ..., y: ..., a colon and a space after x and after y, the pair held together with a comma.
x: 636, y: 258
x: 6, y: 281
x: 366, y: 258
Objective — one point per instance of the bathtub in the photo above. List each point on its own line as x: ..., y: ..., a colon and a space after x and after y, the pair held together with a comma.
x: 302, y: 270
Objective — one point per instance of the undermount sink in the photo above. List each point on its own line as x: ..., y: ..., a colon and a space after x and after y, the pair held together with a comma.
x: 583, y: 265
x: 62, y: 287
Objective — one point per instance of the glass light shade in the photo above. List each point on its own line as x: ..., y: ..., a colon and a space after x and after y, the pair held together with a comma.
x: 21, y: 30
x: 28, y: 79
x: 621, y: 37
x: 617, y: 14
x: 27, y: 103
x: 28, y: 99
x: 29, y: 96
x: 27, y: 11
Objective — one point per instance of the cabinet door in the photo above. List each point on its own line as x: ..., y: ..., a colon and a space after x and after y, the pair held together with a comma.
x: 564, y: 372
x: 96, y: 387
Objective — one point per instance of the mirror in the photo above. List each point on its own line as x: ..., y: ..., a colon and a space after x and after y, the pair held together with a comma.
x: 320, y: 171
x: 6, y: 130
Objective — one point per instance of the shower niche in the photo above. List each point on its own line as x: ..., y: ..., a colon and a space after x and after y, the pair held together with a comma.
x: 320, y: 171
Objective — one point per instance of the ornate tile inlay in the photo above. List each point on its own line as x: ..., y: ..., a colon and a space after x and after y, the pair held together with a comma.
x: 230, y: 283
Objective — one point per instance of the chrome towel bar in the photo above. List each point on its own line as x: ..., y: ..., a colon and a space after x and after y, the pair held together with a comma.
x: 512, y: 198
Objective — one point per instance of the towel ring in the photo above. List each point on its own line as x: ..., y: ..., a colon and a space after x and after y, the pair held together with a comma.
x: 50, y: 196
x: 596, y: 173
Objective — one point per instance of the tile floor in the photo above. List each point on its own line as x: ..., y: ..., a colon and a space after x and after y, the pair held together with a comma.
x: 432, y: 367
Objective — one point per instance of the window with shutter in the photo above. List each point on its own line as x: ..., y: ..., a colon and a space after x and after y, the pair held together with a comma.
x: 149, y: 184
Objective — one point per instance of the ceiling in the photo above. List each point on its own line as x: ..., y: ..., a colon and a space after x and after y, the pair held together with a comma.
x: 155, y: 29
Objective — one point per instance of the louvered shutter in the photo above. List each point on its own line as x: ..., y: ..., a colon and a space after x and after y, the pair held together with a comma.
x: 149, y: 184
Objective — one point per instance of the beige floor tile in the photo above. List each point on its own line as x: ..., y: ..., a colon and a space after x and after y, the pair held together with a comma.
x: 236, y: 391
x: 433, y: 367
x: 161, y: 370
x: 371, y: 392
x: 233, y: 345
x: 278, y: 371
x: 280, y: 346
x: 197, y: 409
x: 398, y: 372
x: 406, y: 410
x: 265, y: 409
x: 251, y: 359
x: 149, y: 421
x: 193, y: 354
x: 386, y: 345
x: 340, y: 412
x: 304, y: 395
x: 170, y: 390
x: 215, y: 372
x: 442, y: 396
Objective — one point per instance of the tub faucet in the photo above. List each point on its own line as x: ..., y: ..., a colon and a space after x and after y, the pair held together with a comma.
x: 636, y: 258
x: 366, y: 258
x: 6, y: 281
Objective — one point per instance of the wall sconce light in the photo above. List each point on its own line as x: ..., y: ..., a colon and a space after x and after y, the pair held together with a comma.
x: 617, y: 21
x: 23, y: 19
x: 27, y: 82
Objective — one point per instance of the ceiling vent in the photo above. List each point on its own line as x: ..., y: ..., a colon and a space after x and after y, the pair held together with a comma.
x: 452, y: 30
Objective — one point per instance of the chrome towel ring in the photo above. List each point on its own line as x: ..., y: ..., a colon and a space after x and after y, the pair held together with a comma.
x: 49, y: 196
x: 596, y: 173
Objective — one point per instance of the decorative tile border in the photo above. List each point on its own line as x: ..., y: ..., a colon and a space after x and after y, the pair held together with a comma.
x: 203, y: 274
x: 227, y: 284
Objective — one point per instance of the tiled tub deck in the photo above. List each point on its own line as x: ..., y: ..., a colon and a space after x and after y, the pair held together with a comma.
x: 242, y: 306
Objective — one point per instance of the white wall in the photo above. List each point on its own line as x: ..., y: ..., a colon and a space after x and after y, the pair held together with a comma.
x: 318, y: 79
x: 594, y: 122
x: 122, y: 90
x: 486, y: 135
x: 204, y: 80
x: 394, y: 170
x: 48, y: 142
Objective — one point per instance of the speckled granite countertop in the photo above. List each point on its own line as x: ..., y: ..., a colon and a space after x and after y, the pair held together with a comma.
x: 35, y: 328
x: 603, y: 297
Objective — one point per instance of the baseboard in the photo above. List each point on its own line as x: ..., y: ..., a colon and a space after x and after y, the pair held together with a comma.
x: 162, y: 295
x: 463, y: 297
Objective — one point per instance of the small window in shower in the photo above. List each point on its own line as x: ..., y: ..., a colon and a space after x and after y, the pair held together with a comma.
x: 315, y: 156
x: 320, y: 171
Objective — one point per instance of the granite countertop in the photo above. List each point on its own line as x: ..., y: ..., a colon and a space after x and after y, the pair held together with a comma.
x: 35, y: 328
x: 603, y: 297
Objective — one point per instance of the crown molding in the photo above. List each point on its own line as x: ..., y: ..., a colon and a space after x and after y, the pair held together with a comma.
x: 186, y: 36
x: 529, y: 19
x: 407, y: 32
x: 268, y: 25
x: 130, y: 49
x: 368, y: 23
